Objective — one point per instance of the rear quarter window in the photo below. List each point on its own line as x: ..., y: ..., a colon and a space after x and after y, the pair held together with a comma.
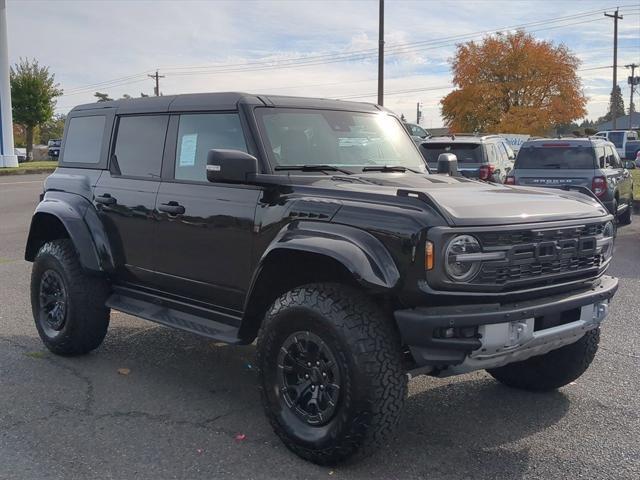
x: 83, y: 143
x: 553, y: 157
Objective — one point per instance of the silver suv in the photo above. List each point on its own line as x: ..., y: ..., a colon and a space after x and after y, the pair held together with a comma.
x: 484, y: 157
x: 577, y: 162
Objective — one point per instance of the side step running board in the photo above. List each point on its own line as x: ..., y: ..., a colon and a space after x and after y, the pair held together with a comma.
x: 174, y: 318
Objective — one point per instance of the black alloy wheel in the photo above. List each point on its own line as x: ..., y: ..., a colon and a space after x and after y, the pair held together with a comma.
x: 53, y: 301
x: 309, y: 378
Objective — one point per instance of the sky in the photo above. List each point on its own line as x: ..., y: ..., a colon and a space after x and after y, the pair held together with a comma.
x: 307, y: 48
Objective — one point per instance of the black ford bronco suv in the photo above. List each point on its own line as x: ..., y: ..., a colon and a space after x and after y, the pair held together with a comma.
x: 315, y: 227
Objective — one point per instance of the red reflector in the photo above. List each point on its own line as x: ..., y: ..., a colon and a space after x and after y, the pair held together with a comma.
x: 510, y: 181
x: 599, y: 186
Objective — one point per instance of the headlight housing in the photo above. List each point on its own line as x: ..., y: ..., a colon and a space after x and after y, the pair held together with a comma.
x: 462, y: 261
x: 608, y: 233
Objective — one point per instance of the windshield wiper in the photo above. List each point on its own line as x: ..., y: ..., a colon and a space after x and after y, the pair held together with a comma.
x: 313, y: 168
x: 389, y: 168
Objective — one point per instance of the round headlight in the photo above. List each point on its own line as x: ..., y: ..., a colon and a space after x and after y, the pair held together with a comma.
x: 608, y: 230
x: 458, y: 267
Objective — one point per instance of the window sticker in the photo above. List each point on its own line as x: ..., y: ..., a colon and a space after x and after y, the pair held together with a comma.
x: 188, y: 150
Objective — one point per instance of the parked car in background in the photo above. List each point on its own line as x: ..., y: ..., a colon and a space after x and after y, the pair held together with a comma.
x: 21, y: 153
x: 54, y: 148
x: 418, y: 134
x: 591, y: 163
x: 626, y: 142
x: 485, y: 157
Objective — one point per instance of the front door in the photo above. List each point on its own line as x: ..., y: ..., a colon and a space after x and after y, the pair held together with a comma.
x: 205, y: 230
x: 125, y: 196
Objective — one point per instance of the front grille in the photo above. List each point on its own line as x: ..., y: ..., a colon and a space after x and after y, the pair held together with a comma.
x: 501, y: 275
x: 494, y: 239
x: 539, y: 268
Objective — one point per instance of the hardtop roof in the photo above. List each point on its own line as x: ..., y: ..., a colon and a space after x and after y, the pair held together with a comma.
x: 570, y: 141
x: 222, y: 101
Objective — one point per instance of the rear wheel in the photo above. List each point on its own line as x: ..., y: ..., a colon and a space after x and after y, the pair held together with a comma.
x: 551, y: 370
x: 331, y: 375
x: 68, y: 305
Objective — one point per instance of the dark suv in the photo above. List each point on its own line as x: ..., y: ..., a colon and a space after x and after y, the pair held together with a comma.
x: 485, y: 157
x: 315, y: 227
x: 590, y: 163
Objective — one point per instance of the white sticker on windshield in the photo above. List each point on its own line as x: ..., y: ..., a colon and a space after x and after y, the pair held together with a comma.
x: 188, y: 150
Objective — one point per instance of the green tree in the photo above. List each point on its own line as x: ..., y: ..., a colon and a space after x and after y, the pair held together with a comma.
x: 102, y: 97
x: 33, y: 94
x: 52, y: 129
x: 615, y: 99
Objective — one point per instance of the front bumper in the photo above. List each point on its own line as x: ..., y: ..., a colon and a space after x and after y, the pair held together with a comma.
x: 419, y: 326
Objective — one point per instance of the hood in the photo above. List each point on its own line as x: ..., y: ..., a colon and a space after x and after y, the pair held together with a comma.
x: 469, y: 202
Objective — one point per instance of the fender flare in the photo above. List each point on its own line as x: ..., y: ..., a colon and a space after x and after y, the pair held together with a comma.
x: 80, y: 219
x: 362, y: 254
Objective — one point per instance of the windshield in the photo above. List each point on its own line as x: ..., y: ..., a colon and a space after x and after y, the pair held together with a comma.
x: 349, y: 140
x: 555, y: 157
x: 617, y: 138
x: 464, y: 152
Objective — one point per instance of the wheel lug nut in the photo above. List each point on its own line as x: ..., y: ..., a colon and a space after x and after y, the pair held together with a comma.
x: 324, y: 374
x: 308, y: 364
x: 317, y: 364
x: 321, y: 387
x: 306, y: 375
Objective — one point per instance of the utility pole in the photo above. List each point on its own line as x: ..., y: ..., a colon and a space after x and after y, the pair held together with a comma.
x: 633, y: 81
x: 418, y: 114
x: 615, y: 17
x: 157, y: 78
x: 381, y: 54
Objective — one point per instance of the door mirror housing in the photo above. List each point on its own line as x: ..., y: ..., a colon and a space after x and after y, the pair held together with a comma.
x: 230, y: 166
x: 630, y: 165
x: 448, y: 164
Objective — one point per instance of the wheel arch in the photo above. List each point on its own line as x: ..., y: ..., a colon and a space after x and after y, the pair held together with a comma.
x: 308, y: 252
x: 64, y: 215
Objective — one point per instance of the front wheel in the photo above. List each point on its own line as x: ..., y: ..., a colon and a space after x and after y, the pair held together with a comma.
x: 551, y: 370
x: 331, y: 376
x: 626, y: 217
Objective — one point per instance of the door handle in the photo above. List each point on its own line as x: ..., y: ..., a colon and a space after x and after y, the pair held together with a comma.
x: 173, y: 208
x: 105, y: 199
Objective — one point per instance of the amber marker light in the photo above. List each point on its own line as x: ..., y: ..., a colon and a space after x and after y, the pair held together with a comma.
x: 428, y: 256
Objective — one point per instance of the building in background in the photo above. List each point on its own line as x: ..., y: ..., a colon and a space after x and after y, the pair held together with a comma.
x: 622, y: 123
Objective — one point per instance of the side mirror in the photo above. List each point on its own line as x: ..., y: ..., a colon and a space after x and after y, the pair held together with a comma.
x: 230, y: 166
x: 630, y: 165
x: 448, y: 164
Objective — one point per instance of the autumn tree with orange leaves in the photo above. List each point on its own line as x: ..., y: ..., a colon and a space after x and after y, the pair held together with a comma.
x: 513, y: 83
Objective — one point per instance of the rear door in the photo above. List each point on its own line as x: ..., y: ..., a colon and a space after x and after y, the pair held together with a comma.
x: 125, y: 195
x: 617, y: 176
x: 555, y: 165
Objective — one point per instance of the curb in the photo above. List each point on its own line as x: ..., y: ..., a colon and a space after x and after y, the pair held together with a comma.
x: 26, y: 171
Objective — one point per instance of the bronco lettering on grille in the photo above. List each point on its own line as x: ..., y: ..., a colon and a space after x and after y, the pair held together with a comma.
x: 550, y: 251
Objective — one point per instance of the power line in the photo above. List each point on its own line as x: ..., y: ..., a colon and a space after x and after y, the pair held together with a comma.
x: 157, y: 78
x: 410, y: 47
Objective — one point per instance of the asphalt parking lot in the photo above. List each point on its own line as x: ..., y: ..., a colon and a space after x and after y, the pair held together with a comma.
x: 188, y: 408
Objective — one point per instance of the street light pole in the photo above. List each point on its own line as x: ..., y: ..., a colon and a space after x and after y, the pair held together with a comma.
x: 381, y: 54
x: 632, y: 85
x: 8, y: 157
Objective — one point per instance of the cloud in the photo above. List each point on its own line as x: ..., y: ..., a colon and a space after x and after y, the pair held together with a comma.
x: 89, y: 42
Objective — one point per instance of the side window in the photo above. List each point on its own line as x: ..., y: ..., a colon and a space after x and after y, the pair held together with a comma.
x: 615, y: 161
x: 600, y: 156
x: 199, y: 133
x: 84, y: 140
x: 507, y: 148
x: 493, y: 154
x: 608, y: 157
x: 140, y: 145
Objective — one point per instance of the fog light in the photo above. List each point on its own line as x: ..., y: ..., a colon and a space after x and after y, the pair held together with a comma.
x: 600, y: 311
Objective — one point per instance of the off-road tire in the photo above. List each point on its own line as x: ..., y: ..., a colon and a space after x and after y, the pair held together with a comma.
x: 86, y: 318
x: 551, y: 370
x: 626, y: 217
x: 368, y: 353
